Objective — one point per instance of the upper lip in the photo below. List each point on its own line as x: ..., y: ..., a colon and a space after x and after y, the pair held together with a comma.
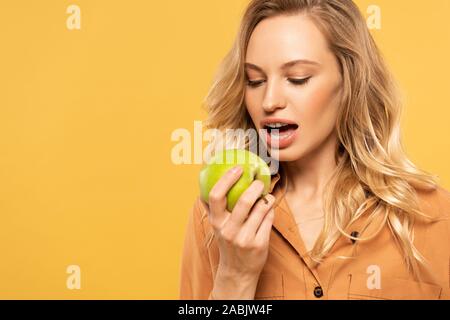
x: 276, y: 120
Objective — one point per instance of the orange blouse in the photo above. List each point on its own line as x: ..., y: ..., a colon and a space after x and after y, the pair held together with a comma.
x: 375, y: 269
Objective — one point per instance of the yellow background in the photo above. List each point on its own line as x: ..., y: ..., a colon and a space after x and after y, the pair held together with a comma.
x: 86, y: 117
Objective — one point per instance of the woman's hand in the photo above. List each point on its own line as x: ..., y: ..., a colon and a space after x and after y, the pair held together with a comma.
x: 243, y: 234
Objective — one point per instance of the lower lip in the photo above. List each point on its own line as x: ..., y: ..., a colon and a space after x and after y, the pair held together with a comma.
x: 283, y: 141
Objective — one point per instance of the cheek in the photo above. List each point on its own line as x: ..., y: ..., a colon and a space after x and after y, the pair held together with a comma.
x: 252, y: 106
x: 320, y: 108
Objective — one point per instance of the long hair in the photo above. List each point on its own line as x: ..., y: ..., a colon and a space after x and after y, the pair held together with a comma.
x: 373, y: 172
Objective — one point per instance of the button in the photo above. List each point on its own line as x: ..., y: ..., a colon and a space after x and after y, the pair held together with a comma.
x: 318, y: 292
x: 354, y: 234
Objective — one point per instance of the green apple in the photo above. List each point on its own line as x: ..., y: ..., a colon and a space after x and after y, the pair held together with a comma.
x: 254, y: 168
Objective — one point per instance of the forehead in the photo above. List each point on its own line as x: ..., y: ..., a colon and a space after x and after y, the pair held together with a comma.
x: 279, y: 39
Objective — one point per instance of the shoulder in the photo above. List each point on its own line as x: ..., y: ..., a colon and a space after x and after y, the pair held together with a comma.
x: 444, y: 200
x: 199, y: 210
x: 434, y: 202
x: 198, y: 219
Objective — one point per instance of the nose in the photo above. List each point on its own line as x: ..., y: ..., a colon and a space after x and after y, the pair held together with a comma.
x: 273, y: 98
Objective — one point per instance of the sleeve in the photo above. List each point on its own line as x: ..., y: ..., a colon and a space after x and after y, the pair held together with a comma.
x: 196, y: 280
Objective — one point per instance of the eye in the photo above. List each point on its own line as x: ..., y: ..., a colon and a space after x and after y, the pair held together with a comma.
x: 254, y: 84
x: 299, y: 82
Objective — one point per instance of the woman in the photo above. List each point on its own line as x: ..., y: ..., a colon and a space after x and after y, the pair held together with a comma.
x: 349, y: 216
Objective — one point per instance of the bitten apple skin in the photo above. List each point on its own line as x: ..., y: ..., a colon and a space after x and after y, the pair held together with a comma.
x: 254, y: 168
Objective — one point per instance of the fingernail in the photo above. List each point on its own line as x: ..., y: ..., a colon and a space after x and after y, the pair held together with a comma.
x: 260, y: 184
x: 270, y: 200
x: 236, y: 170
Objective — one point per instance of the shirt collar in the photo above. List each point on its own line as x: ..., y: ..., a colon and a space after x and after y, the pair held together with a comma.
x: 275, y: 178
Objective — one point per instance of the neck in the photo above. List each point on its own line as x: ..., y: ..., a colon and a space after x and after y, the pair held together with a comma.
x: 309, y: 175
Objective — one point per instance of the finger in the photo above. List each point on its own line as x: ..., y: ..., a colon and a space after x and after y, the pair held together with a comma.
x: 263, y: 233
x: 258, y: 214
x: 245, y: 203
x: 218, y: 194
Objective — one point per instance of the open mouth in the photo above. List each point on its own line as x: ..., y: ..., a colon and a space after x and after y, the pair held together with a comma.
x: 280, y: 128
x: 280, y: 133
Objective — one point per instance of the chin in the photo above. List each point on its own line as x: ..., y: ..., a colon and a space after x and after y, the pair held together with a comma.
x: 288, y: 154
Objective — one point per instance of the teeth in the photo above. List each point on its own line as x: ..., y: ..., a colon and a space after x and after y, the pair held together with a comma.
x: 277, y: 134
x: 276, y: 125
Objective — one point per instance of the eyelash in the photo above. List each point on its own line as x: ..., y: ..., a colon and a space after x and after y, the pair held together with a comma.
x: 297, y: 82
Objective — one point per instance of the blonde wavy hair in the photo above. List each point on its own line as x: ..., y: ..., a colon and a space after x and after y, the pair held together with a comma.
x: 373, y: 172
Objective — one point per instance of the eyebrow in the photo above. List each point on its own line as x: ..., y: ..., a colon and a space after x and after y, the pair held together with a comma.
x: 284, y: 66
